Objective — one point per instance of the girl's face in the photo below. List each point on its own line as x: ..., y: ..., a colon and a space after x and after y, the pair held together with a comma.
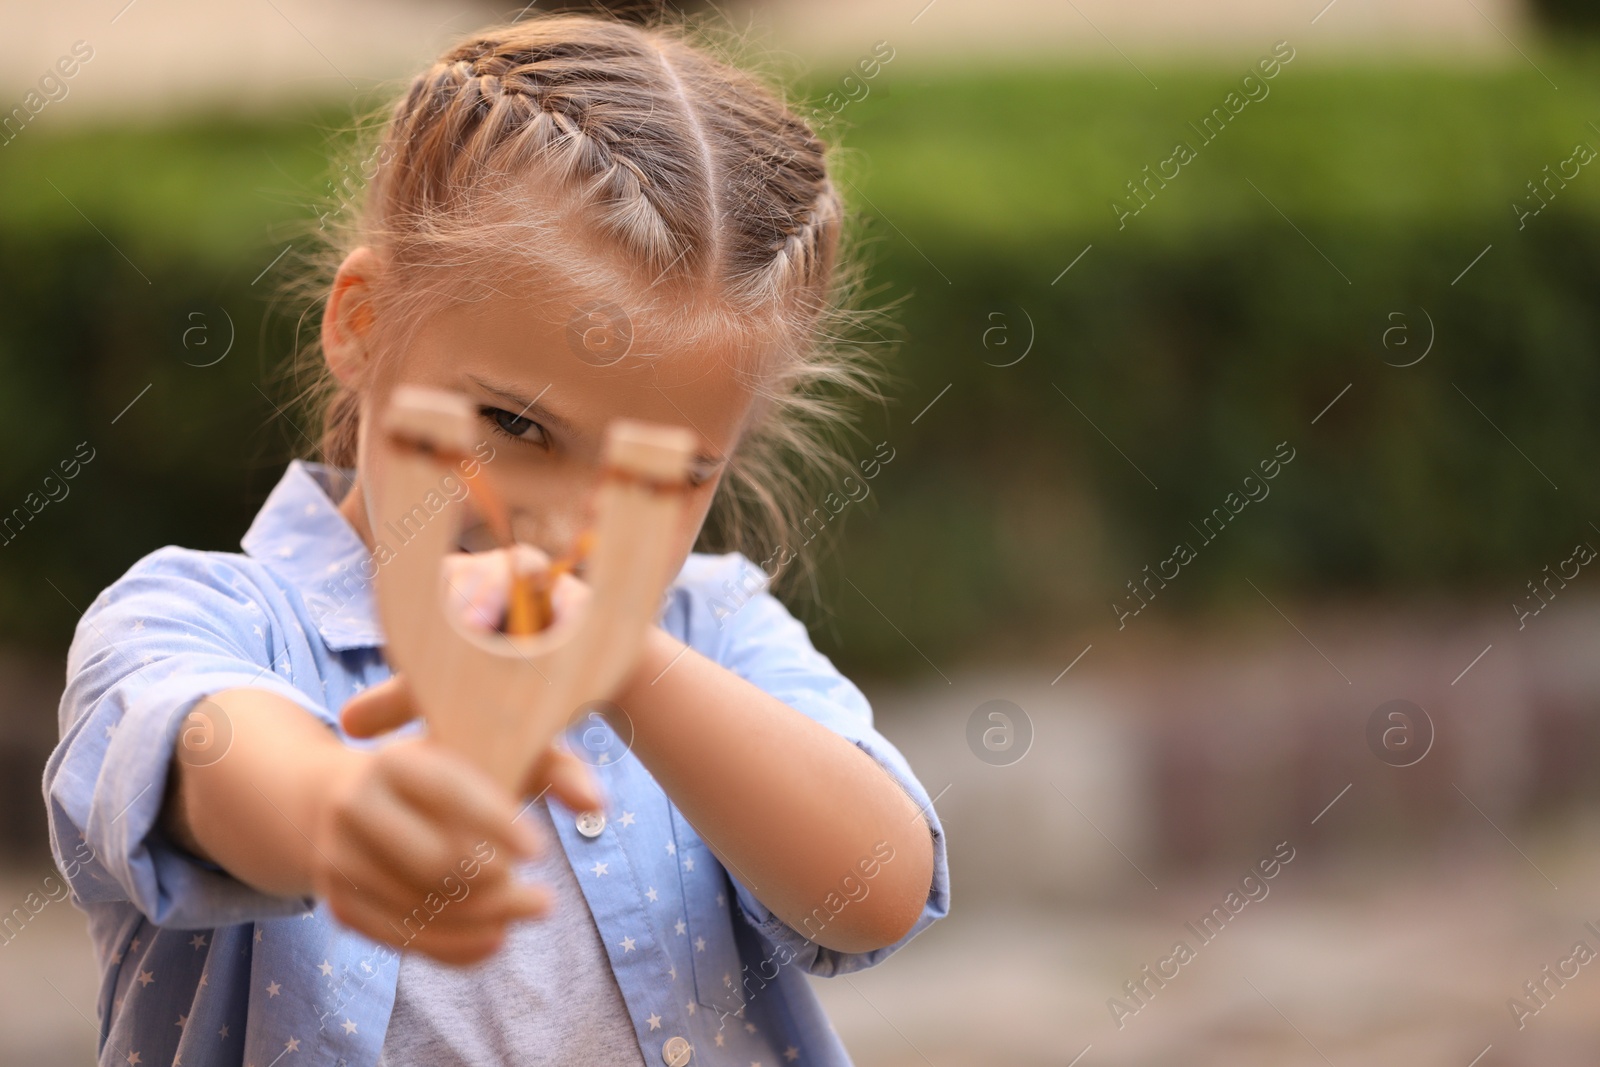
x: 547, y: 376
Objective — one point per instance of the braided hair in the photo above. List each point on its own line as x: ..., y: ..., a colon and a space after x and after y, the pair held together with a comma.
x: 610, y: 154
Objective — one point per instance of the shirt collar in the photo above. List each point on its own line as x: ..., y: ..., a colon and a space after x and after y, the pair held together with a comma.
x: 300, y: 535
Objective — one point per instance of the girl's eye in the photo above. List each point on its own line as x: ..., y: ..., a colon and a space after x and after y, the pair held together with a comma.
x: 700, y: 473
x: 514, y: 425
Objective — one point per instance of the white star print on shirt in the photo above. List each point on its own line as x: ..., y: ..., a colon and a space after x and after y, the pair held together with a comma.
x: 146, y: 977
x: 626, y: 820
x: 791, y: 1053
x: 292, y: 1045
x: 699, y: 944
x: 680, y: 928
x: 672, y: 848
x: 349, y: 1027
x: 688, y: 864
x: 198, y: 941
x: 719, y: 1040
x: 133, y: 1057
x: 627, y: 944
x: 650, y: 894
x: 599, y: 868
x: 273, y: 989
x: 654, y: 1021
x: 326, y: 968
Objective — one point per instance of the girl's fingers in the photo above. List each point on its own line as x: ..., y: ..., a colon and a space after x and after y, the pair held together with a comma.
x: 474, y: 589
x: 384, y: 707
x: 361, y: 879
x: 569, y: 780
x: 363, y: 897
x: 364, y: 917
x: 506, y: 900
x: 477, y: 585
x: 447, y: 788
x: 399, y: 841
x: 462, y: 907
x: 452, y: 943
x: 432, y: 934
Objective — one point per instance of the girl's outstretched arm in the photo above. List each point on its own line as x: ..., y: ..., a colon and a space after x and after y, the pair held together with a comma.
x: 293, y: 811
x: 788, y: 805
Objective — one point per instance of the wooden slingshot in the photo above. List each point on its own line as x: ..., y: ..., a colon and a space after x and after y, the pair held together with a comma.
x: 501, y: 698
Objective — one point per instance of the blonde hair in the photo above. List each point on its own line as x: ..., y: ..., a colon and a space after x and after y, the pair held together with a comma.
x: 625, y: 158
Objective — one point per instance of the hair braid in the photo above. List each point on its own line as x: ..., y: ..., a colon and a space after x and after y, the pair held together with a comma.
x: 552, y: 107
x: 687, y: 169
x: 803, y: 257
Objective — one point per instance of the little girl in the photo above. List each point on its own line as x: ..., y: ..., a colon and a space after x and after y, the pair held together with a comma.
x: 570, y: 220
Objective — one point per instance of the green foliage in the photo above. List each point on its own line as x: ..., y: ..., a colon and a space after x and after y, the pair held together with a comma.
x: 1249, y: 292
x: 1211, y: 328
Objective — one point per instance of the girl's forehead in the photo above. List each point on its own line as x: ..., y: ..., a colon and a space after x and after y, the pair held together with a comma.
x: 673, y: 339
x: 575, y: 367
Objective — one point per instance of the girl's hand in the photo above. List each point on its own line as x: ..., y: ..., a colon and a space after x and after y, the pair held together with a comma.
x: 388, y: 706
x: 477, y: 585
x: 415, y: 847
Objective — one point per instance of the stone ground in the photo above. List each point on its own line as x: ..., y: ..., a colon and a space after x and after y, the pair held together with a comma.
x: 1372, y: 963
x: 1378, y: 960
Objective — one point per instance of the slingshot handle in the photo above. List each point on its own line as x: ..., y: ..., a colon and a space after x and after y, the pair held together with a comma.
x: 499, y: 699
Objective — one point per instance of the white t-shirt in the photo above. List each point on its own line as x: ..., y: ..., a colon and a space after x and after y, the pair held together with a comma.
x: 548, y: 995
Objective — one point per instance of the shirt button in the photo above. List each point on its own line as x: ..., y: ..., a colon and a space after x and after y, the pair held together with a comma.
x: 590, y: 823
x: 676, y: 1052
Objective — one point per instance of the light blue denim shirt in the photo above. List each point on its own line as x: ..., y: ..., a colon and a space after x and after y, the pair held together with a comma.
x: 200, y: 969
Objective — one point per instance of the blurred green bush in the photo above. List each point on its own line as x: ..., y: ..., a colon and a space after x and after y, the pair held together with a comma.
x: 1568, y: 14
x: 1254, y: 288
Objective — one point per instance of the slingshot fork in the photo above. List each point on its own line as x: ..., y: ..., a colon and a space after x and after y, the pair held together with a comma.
x: 500, y: 699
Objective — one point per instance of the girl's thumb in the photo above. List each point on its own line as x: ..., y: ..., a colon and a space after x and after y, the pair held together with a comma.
x: 384, y: 707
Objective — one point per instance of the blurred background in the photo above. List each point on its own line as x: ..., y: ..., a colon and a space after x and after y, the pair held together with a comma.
x: 1131, y: 665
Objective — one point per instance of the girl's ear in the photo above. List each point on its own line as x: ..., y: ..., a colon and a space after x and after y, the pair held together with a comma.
x: 348, y: 319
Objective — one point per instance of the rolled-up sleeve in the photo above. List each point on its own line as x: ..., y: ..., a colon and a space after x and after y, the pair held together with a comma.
x: 758, y: 639
x: 177, y: 628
